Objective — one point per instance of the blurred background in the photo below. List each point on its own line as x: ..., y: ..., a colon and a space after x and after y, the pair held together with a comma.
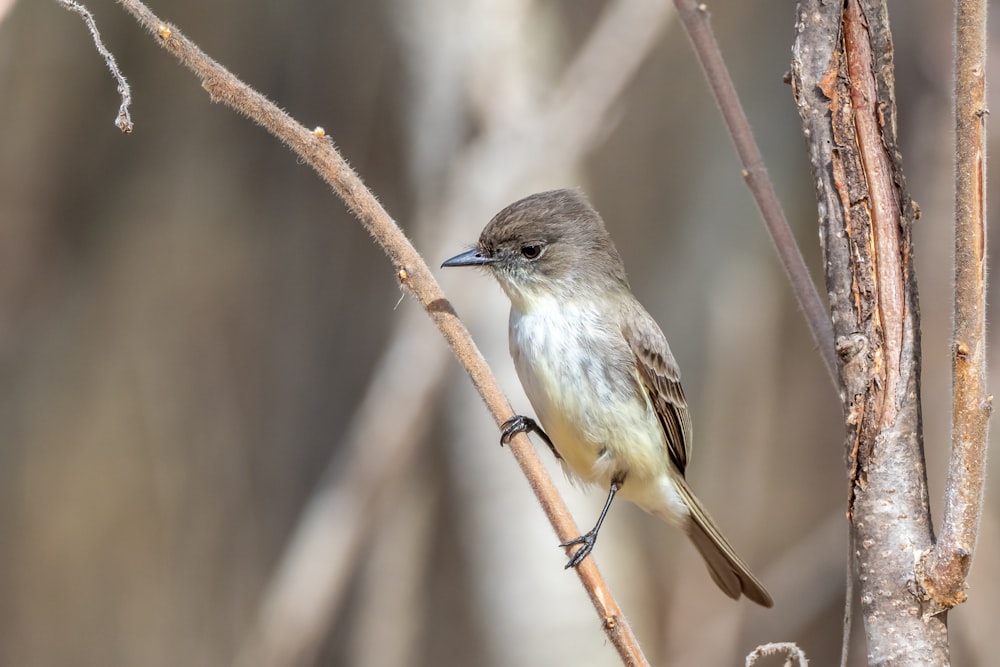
x: 226, y: 439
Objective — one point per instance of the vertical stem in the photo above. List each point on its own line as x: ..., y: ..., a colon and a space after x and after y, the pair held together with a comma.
x: 948, y: 566
x: 843, y: 81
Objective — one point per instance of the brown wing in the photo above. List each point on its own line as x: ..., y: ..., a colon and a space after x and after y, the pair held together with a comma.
x: 661, y: 379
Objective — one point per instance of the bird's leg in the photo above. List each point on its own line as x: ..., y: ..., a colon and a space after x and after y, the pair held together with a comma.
x: 521, y: 424
x: 588, y: 539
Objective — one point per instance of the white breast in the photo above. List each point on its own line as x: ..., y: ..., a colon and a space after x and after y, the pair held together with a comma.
x: 579, y: 374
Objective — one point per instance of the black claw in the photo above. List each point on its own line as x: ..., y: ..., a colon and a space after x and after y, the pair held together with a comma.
x: 521, y: 424
x: 513, y: 426
x: 586, y: 542
x: 588, y: 539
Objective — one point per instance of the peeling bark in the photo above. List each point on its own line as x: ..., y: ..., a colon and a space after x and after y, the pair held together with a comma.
x: 843, y: 82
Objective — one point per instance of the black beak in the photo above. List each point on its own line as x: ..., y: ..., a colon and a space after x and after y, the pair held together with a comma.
x: 469, y: 258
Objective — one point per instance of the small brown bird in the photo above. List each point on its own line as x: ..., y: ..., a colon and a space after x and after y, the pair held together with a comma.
x: 598, y: 371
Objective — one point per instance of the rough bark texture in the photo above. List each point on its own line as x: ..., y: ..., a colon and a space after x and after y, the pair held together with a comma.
x: 842, y: 75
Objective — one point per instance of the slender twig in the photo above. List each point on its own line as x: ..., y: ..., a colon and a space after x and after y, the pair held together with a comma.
x: 695, y: 18
x: 310, y: 579
x: 314, y: 148
x: 947, y: 566
x: 123, y: 121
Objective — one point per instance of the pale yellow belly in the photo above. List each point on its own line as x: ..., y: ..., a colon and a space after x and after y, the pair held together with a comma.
x: 590, y: 404
x: 580, y: 376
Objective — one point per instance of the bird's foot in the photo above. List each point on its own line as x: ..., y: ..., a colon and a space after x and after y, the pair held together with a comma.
x: 586, y: 542
x: 514, y: 425
x: 521, y: 424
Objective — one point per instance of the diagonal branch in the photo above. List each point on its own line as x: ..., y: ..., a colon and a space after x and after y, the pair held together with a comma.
x: 415, y: 277
x: 304, y: 593
x: 947, y: 566
x: 694, y: 16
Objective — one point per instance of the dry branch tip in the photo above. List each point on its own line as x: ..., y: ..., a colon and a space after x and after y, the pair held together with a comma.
x: 123, y: 121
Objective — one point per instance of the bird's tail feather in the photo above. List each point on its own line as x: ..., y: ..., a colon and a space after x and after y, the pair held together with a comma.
x: 728, y: 570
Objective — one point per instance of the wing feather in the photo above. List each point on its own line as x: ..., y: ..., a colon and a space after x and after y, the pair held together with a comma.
x: 661, y: 380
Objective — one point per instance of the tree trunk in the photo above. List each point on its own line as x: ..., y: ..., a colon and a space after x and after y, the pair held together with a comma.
x: 843, y: 79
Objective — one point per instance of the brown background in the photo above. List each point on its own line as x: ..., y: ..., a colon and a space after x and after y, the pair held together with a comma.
x: 189, y: 321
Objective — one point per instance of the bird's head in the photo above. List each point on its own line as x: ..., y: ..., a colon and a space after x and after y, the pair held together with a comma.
x: 552, y: 244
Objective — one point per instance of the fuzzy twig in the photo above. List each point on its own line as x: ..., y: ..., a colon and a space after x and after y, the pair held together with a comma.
x: 947, y: 566
x: 316, y: 149
x: 123, y: 121
x: 695, y: 18
x: 311, y: 577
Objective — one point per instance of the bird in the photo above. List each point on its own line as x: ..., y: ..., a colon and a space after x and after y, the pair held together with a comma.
x: 598, y: 371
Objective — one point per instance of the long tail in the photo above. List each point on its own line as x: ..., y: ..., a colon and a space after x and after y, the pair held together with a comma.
x: 728, y: 570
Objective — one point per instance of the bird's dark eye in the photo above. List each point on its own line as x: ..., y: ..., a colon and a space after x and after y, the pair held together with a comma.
x: 531, y: 251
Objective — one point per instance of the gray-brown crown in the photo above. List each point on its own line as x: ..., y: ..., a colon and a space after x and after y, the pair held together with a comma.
x: 570, y: 239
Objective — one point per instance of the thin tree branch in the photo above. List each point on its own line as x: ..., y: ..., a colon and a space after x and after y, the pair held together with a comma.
x: 304, y: 593
x: 415, y: 277
x: 694, y: 16
x: 945, y: 568
x: 123, y: 121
